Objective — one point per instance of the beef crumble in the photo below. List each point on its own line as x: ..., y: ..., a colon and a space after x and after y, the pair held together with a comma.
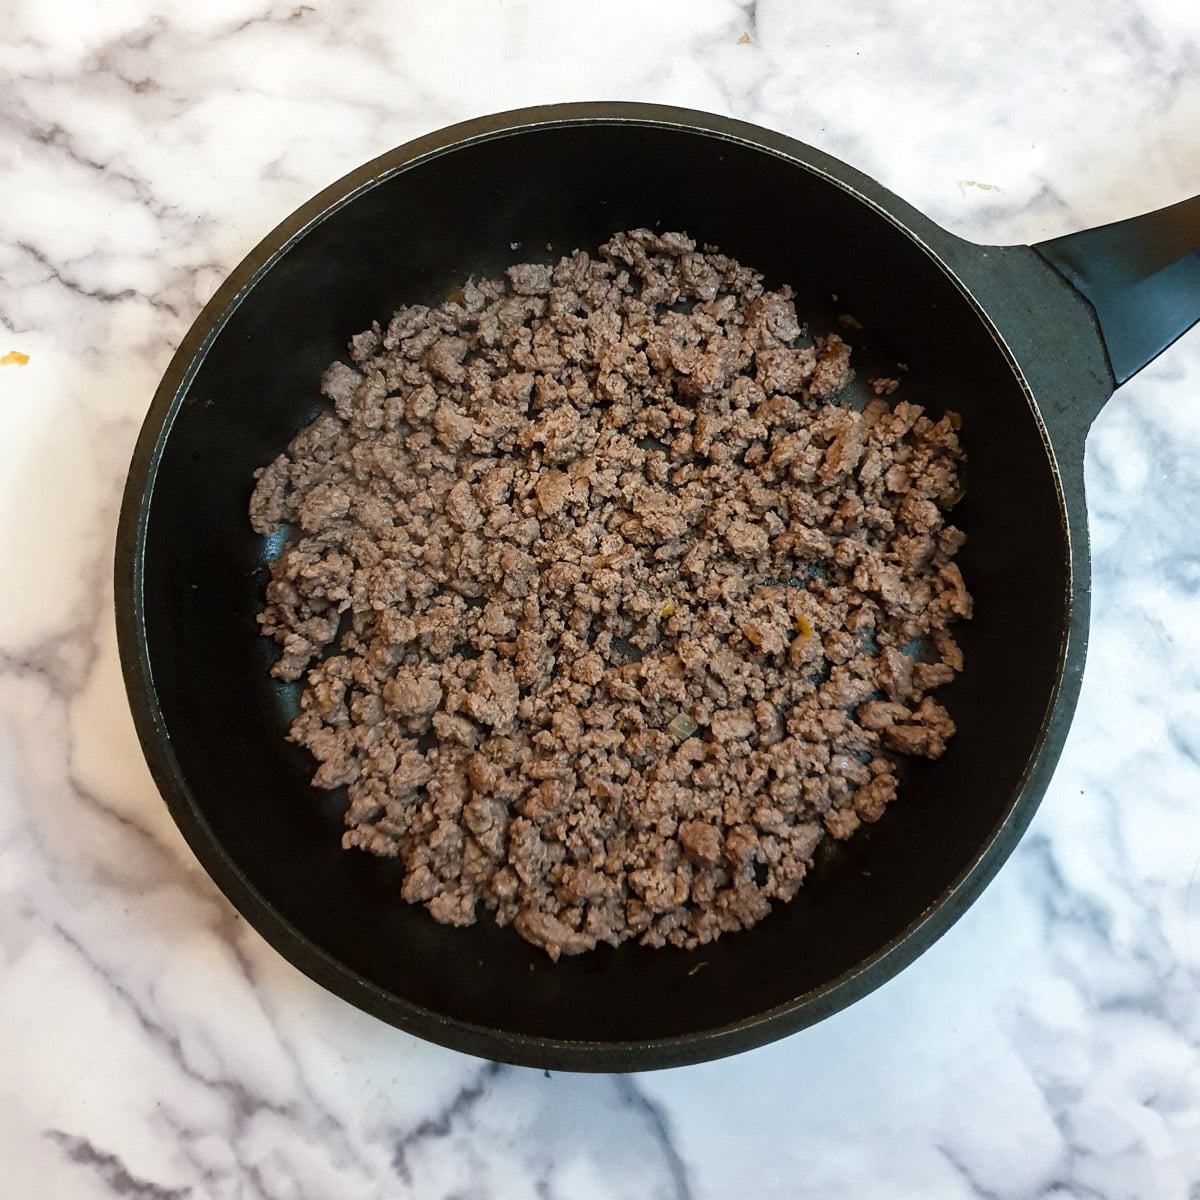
x: 607, y: 612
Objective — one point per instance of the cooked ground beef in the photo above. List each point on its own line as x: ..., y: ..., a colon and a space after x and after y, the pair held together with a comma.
x: 608, y: 612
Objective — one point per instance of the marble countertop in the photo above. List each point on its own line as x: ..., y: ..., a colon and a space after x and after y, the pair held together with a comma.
x: 153, y: 1046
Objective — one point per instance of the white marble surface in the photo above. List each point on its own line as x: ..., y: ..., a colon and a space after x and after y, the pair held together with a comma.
x: 152, y: 1046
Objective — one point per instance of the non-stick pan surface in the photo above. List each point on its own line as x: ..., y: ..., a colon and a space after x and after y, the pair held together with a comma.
x: 531, y: 186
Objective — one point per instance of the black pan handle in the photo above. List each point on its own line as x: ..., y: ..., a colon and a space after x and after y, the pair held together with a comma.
x: 1142, y: 278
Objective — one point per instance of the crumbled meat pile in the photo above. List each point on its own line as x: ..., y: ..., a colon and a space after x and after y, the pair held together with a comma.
x: 608, y: 612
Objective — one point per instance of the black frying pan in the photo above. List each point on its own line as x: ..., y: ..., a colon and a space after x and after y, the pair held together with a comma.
x: 1004, y: 335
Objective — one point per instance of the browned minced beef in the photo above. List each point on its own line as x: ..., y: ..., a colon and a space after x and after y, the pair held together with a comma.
x: 606, y: 609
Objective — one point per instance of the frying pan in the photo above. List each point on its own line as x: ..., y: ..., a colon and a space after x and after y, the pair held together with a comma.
x: 1025, y: 343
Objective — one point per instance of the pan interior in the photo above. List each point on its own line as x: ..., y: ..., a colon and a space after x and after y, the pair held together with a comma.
x: 411, y: 238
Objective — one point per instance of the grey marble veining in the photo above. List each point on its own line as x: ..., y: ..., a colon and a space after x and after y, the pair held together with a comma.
x: 153, y: 1047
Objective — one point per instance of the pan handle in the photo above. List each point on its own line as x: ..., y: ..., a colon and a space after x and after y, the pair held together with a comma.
x: 1142, y: 278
